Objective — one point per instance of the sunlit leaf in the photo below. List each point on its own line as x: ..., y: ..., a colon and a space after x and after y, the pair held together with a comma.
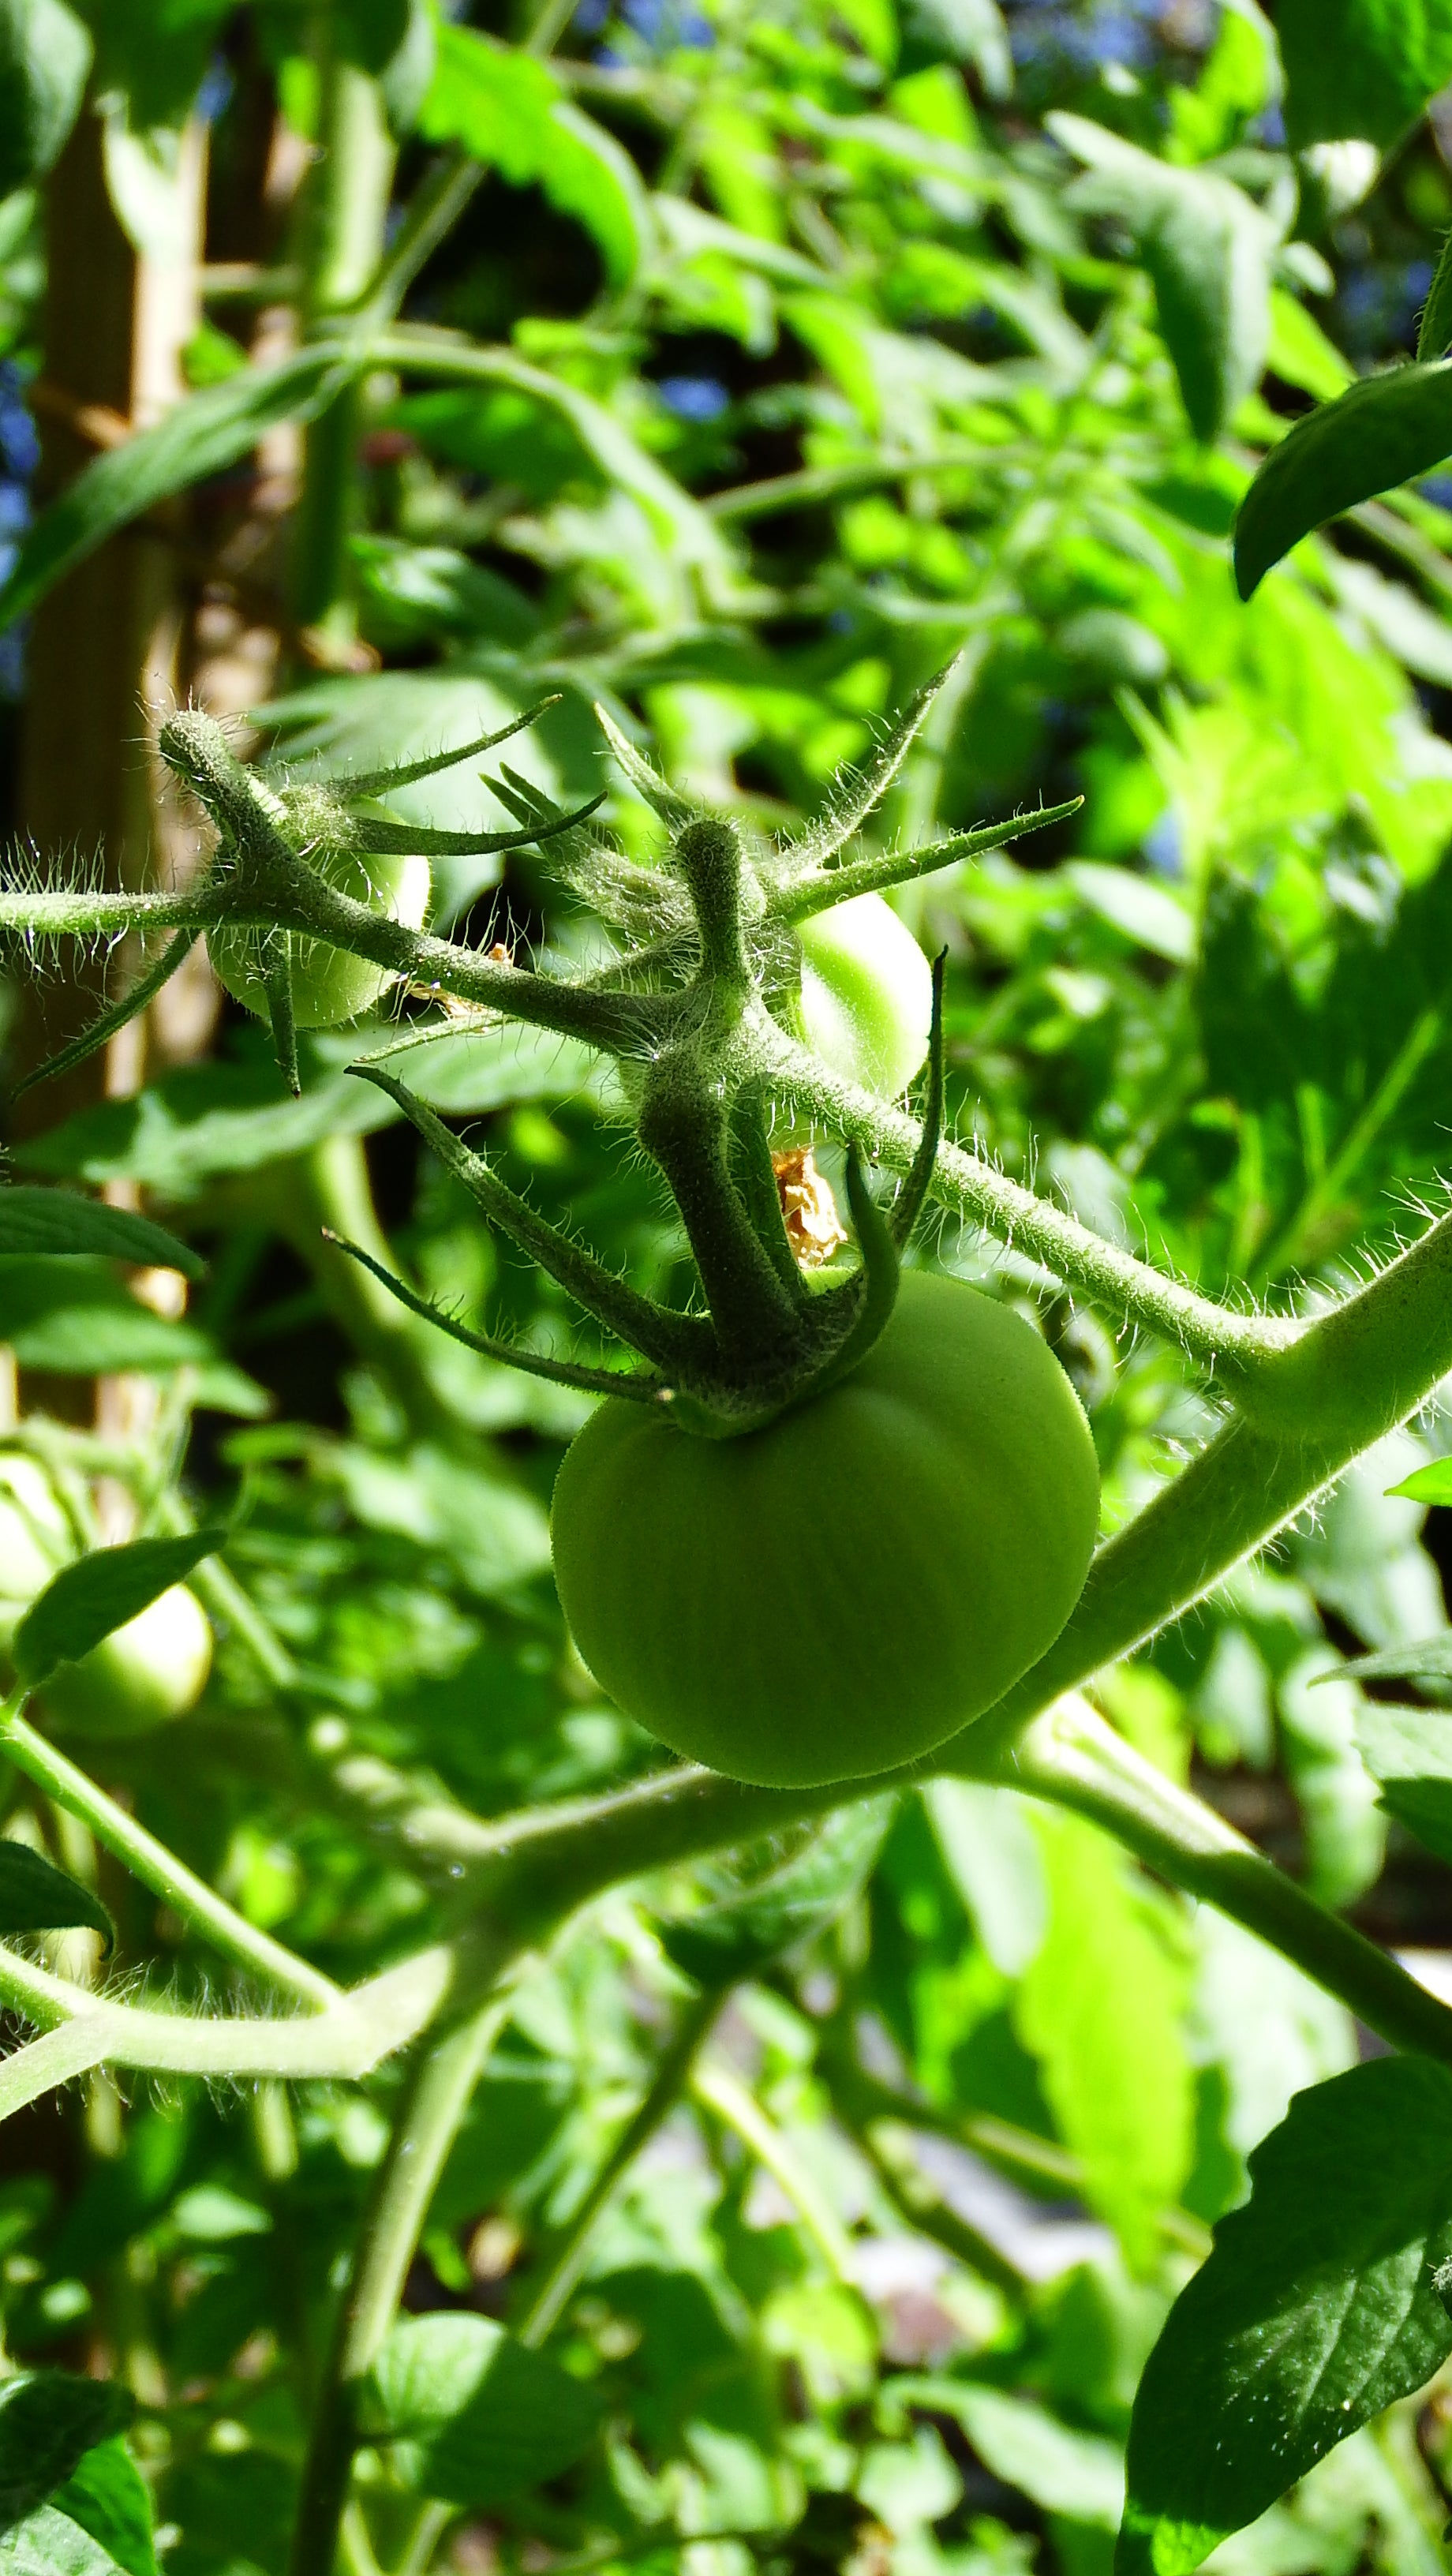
x: 99, y: 1593
x: 1315, y: 2310
x: 1384, y: 431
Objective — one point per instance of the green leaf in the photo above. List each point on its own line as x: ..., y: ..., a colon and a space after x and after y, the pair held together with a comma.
x: 1434, y: 334
x: 1315, y: 2310
x: 472, y: 2416
x: 49, y: 2543
x: 79, y: 1318
x: 48, y: 2421
x: 720, y: 1944
x: 45, y: 54
x: 507, y: 110
x: 1076, y: 2474
x: 1408, y: 1752
x: 107, y: 2495
x: 50, y: 1222
x: 1117, y: 2080
x: 198, y: 438
x: 1429, y: 1484
x: 1208, y: 250
x: 99, y: 1593
x: 1384, y: 431
x: 1361, y: 67
x: 1429, y: 1659
x: 35, y: 1896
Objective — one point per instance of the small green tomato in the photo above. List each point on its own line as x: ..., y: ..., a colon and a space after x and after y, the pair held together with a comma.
x: 867, y: 994
x: 329, y: 985
x: 840, y: 1592
x: 140, y: 1677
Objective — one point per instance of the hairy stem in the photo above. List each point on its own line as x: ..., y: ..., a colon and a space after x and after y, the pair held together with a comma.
x: 972, y: 1188
x: 151, y: 1862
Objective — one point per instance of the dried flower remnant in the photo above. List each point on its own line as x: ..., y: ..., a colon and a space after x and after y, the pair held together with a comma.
x: 809, y: 1211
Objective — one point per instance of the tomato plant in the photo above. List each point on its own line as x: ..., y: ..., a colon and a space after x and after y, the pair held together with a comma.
x: 741, y: 2076
x: 833, y: 1595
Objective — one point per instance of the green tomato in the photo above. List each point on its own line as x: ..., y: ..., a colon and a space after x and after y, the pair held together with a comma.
x: 328, y: 984
x: 867, y: 994
x: 840, y: 1592
x: 141, y: 1676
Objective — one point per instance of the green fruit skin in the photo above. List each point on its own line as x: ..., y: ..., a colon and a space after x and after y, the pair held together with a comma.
x: 140, y: 1677
x: 867, y: 994
x: 842, y: 1591
x: 329, y: 985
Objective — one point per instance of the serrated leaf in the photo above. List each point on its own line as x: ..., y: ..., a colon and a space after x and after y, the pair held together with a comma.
x: 1315, y: 2310
x: 35, y: 1896
x: 1361, y: 67
x: 200, y: 436
x: 51, y: 1222
x: 720, y: 1944
x: 1382, y: 432
x: 472, y: 2416
x: 107, y: 2496
x: 48, y: 2421
x: 45, y: 54
x: 87, y: 1600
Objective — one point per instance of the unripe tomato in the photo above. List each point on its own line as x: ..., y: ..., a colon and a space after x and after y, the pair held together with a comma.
x: 141, y: 1676
x: 329, y: 985
x: 867, y: 994
x: 841, y: 1591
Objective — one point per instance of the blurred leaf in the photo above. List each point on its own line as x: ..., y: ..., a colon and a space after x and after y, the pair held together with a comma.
x: 1363, y: 67
x: 1064, y: 2472
x: 995, y: 1861
x: 1434, y: 332
x: 77, y: 1318
x: 470, y: 2415
x: 1430, y: 1660
x: 45, y: 54
x: 1208, y: 250
x: 507, y: 110
x: 1118, y: 2082
x: 1384, y: 431
x: 52, y: 1221
x: 100, y: 1592
x: 197, y: 438
x: 1408, y: 1752
x: 48, y: 2421
x: 35, y: 1896
x: 107, y: 2495
x: 1315, y: 2310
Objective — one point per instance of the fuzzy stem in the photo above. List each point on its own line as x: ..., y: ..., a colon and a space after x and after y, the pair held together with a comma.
x: 151, y: 1862
x: 708, y: 855
x: 682, y: 1123
x: 973, y: 1189
x: 436, y: 2096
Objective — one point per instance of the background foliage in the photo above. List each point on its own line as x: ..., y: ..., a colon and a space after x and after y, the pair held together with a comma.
x: 777, y: 357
